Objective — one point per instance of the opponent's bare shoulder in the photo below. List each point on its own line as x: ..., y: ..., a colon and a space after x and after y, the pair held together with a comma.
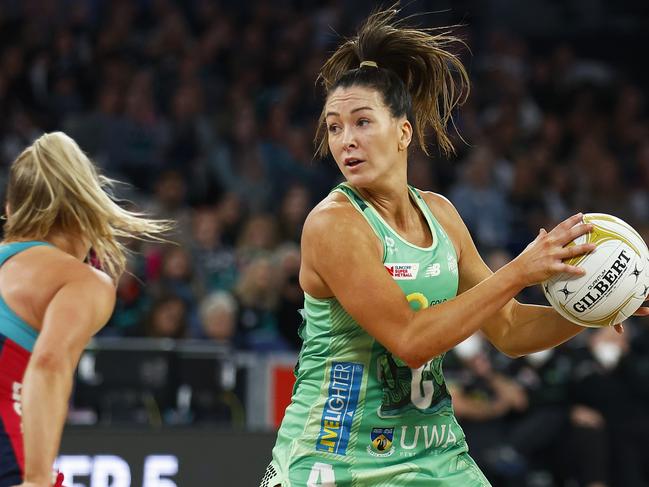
x: 95, y: 282
x: 30, y: 280
x: 83, y: 284
x: 65, y: 268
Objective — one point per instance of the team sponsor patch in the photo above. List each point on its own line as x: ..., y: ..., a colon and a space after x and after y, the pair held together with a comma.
x: 403, y: 271
x: 381, y: 445
x: 338, y: 414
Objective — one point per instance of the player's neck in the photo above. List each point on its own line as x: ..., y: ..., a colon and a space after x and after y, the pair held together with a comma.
x: 393, y: 204
x: 70, y: 244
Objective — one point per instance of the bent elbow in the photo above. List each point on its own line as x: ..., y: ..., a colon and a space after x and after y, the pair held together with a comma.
x: 413, y: 361
x: 411, y: 353
x: 508, y: 351
x: 49, y: 361
x: 512, y: 355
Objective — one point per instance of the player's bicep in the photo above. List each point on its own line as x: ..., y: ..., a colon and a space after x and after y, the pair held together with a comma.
x: 347, y: 258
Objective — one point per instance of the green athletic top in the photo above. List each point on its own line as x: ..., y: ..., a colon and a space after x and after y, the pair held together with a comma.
x: 359, y: 416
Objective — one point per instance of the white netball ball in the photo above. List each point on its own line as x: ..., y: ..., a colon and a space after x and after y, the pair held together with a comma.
x: 616, y: 281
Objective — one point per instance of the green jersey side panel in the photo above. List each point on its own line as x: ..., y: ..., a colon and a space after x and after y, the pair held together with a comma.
x: 360, y: 416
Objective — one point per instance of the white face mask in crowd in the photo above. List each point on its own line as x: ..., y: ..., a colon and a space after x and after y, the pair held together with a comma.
x: 607, y: 354
x: 539, y: 358
x: 469, y: 348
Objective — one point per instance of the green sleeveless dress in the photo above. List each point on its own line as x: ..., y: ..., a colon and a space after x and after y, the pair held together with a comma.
x: 359, y: 416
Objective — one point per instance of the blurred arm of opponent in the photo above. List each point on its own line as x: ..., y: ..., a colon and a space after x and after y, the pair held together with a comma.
x: 76, y: 312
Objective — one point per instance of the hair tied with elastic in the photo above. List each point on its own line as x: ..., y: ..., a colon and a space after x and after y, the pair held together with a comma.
x: 371, y: 64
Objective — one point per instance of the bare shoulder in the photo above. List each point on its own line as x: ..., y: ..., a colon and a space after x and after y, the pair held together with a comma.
x: 332, y: 228
x: 30, y: 280
x: 94, y: 287
x: 444, y: 211
x: 450, y: 219
x: 439, y: 204
x: 66, y: 269
x: 86, y: 289
x: 98, y: 279
x: 88, y: 283
x: 333, y: 218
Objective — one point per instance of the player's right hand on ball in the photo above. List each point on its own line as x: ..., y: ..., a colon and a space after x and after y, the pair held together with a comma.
x: 544, y: 257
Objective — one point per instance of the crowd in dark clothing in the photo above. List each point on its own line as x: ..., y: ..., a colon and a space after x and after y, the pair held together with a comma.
x: 576, y: 412
x: 208, y: 109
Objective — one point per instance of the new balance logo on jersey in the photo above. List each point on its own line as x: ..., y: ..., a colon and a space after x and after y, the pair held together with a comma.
x: 403, y: 272
x: 433, y: 270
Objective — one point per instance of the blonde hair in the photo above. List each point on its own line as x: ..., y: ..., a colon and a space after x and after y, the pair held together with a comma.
x: 53, y: 186
x: 414, y: 69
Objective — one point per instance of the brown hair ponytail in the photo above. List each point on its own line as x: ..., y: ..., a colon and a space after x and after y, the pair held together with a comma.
x: 416, y: 72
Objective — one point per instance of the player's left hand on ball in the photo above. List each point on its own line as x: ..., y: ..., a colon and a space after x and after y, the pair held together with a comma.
x: 547, y: 254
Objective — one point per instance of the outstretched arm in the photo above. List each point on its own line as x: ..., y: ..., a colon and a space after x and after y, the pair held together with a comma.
x: 77, y: 311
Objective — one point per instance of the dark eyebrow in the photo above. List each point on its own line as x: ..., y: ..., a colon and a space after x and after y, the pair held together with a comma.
x: 328, y: 114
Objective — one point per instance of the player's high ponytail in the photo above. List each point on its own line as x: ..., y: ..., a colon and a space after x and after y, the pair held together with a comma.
x: 53, y: 187
x: 414, y: 69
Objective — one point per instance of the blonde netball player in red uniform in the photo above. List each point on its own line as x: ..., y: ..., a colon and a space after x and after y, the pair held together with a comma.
x: 51, y: 301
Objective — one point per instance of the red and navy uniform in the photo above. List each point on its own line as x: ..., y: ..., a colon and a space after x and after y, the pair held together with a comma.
x: 17, y: 340
x: 13, y: 362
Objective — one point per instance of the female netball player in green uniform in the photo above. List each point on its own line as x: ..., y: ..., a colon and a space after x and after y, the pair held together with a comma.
x: 392, y: 281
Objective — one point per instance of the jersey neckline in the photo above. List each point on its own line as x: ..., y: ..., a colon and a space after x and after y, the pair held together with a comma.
x: 419, y: 202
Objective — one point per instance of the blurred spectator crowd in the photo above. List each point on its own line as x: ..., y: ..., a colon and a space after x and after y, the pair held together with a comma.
x: 576, y: 413
x: 208, y: 109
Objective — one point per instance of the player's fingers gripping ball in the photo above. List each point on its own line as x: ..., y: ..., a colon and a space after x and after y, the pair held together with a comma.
x: 616, y: 278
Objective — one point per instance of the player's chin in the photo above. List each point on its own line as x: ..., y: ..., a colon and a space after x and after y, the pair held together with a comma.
x: 359, y: 179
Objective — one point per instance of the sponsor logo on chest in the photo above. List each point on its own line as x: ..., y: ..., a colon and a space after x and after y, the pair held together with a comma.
x: 403, y: 272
